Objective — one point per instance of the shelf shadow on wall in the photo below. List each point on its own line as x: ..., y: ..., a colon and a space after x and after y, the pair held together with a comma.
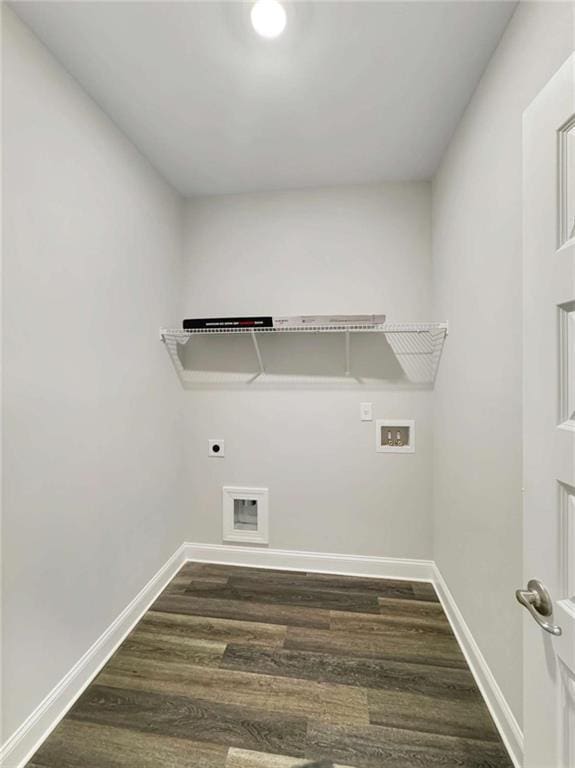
x: 306, y: 359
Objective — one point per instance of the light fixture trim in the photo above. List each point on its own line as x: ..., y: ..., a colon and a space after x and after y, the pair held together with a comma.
x: 268, y: 18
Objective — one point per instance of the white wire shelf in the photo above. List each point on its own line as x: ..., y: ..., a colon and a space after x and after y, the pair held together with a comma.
x: 407, y: 353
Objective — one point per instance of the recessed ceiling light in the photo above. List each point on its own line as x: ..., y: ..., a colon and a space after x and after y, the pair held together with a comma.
x: 268, y: 18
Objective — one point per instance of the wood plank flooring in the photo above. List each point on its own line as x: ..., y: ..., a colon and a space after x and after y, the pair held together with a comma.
x: 251, y: 668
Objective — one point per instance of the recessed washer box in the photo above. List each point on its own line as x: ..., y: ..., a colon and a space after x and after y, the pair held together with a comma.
x: 395, y: 435
x: 245, y: 514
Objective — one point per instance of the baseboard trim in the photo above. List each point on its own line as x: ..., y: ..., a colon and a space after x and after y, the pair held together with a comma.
x: 319, y: 562
x: 501, y: 713
x: 19, y: 748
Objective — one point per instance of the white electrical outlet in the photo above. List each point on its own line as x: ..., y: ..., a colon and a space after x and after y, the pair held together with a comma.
x: 216, y: 449
x: 366, y: 411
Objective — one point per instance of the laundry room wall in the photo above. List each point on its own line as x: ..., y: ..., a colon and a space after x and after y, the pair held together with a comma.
x: 363, y: 249
x: 92, y: 453
x: 477, y: 273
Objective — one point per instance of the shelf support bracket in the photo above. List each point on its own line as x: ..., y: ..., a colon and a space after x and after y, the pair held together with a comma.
x: 258, y: 353
x: 347, y: 354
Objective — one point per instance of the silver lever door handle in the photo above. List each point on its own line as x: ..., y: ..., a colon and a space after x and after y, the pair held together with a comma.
x: 538, y: 602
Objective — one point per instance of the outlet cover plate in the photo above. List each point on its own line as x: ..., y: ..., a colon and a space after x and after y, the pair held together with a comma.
x: 366, y: 411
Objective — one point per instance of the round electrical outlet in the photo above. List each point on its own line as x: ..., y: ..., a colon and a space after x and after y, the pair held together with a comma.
x: 216, y: 448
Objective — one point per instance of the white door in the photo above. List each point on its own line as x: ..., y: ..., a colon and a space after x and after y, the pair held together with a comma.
x: 549, y: 423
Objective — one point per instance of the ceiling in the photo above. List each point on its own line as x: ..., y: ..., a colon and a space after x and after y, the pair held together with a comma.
x: 353, y: 92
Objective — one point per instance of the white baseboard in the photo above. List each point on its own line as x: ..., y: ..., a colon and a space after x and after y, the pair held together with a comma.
x: 18, y: 749
x: 320, y: 562
x: 501, y: 713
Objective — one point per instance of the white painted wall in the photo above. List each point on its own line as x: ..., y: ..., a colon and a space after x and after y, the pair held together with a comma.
x: 92, y: 448
x: 92, y: 444
x: 348, y: 250
x: 477, y: 276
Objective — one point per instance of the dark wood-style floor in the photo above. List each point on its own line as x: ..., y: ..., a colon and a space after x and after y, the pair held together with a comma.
x: 246, y: 668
